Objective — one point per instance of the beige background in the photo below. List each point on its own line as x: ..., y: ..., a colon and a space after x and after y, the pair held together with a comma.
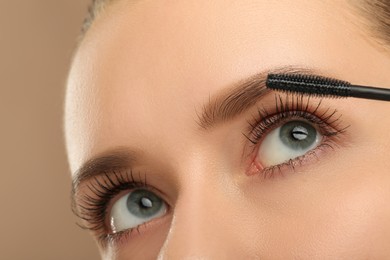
x: 36, y: 42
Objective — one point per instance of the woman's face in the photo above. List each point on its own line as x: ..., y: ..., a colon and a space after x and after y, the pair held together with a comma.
x: 178, y: 152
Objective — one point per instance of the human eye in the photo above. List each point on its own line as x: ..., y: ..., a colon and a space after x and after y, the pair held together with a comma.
x: 135, y: 208
x: 292, y: 134
x: 118, y: 204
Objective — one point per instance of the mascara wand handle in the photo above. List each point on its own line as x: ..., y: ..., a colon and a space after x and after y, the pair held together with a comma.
x: 370, y: 92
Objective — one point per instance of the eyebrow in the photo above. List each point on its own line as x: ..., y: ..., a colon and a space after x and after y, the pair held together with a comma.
x: 241, y: 96
x: 224, y: 106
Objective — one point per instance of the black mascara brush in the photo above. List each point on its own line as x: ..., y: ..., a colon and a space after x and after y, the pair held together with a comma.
x: 323, y: 87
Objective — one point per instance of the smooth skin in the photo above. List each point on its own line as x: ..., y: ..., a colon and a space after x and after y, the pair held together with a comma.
x: 146, y: 68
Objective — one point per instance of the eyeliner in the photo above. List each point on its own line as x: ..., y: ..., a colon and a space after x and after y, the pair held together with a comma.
x: 324, y: 87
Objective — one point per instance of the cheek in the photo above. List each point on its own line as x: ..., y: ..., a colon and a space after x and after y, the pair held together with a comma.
x: 346, y: 219
x: 346, y: 211
x: 320, y: 214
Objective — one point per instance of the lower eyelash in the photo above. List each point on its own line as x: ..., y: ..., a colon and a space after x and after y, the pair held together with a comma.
x: 122, y: 236
x: 328, y: 122
x: 269, y: 172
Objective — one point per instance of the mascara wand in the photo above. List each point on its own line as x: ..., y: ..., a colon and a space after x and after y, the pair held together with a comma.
x: 323, y: 87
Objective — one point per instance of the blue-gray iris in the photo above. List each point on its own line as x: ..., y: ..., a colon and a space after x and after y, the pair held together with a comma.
x: 298, y: 135
x: 143, y: 203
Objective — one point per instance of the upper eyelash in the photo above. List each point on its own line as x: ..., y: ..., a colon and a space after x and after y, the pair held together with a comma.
x: 294, y: 106
x: 93, y: 208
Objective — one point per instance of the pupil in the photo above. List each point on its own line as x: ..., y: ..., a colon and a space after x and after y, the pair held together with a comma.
x: 143, y: 203
x: 298, y: 135
x: 146, y: 203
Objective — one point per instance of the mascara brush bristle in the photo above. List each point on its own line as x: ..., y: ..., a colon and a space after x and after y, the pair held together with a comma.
x: 312, y: 85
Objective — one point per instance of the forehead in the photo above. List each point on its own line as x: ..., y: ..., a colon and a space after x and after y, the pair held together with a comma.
x: 144, y: 69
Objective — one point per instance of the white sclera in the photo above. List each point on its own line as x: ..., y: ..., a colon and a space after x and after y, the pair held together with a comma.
x: 121, y: 218
x: 273, y: 151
